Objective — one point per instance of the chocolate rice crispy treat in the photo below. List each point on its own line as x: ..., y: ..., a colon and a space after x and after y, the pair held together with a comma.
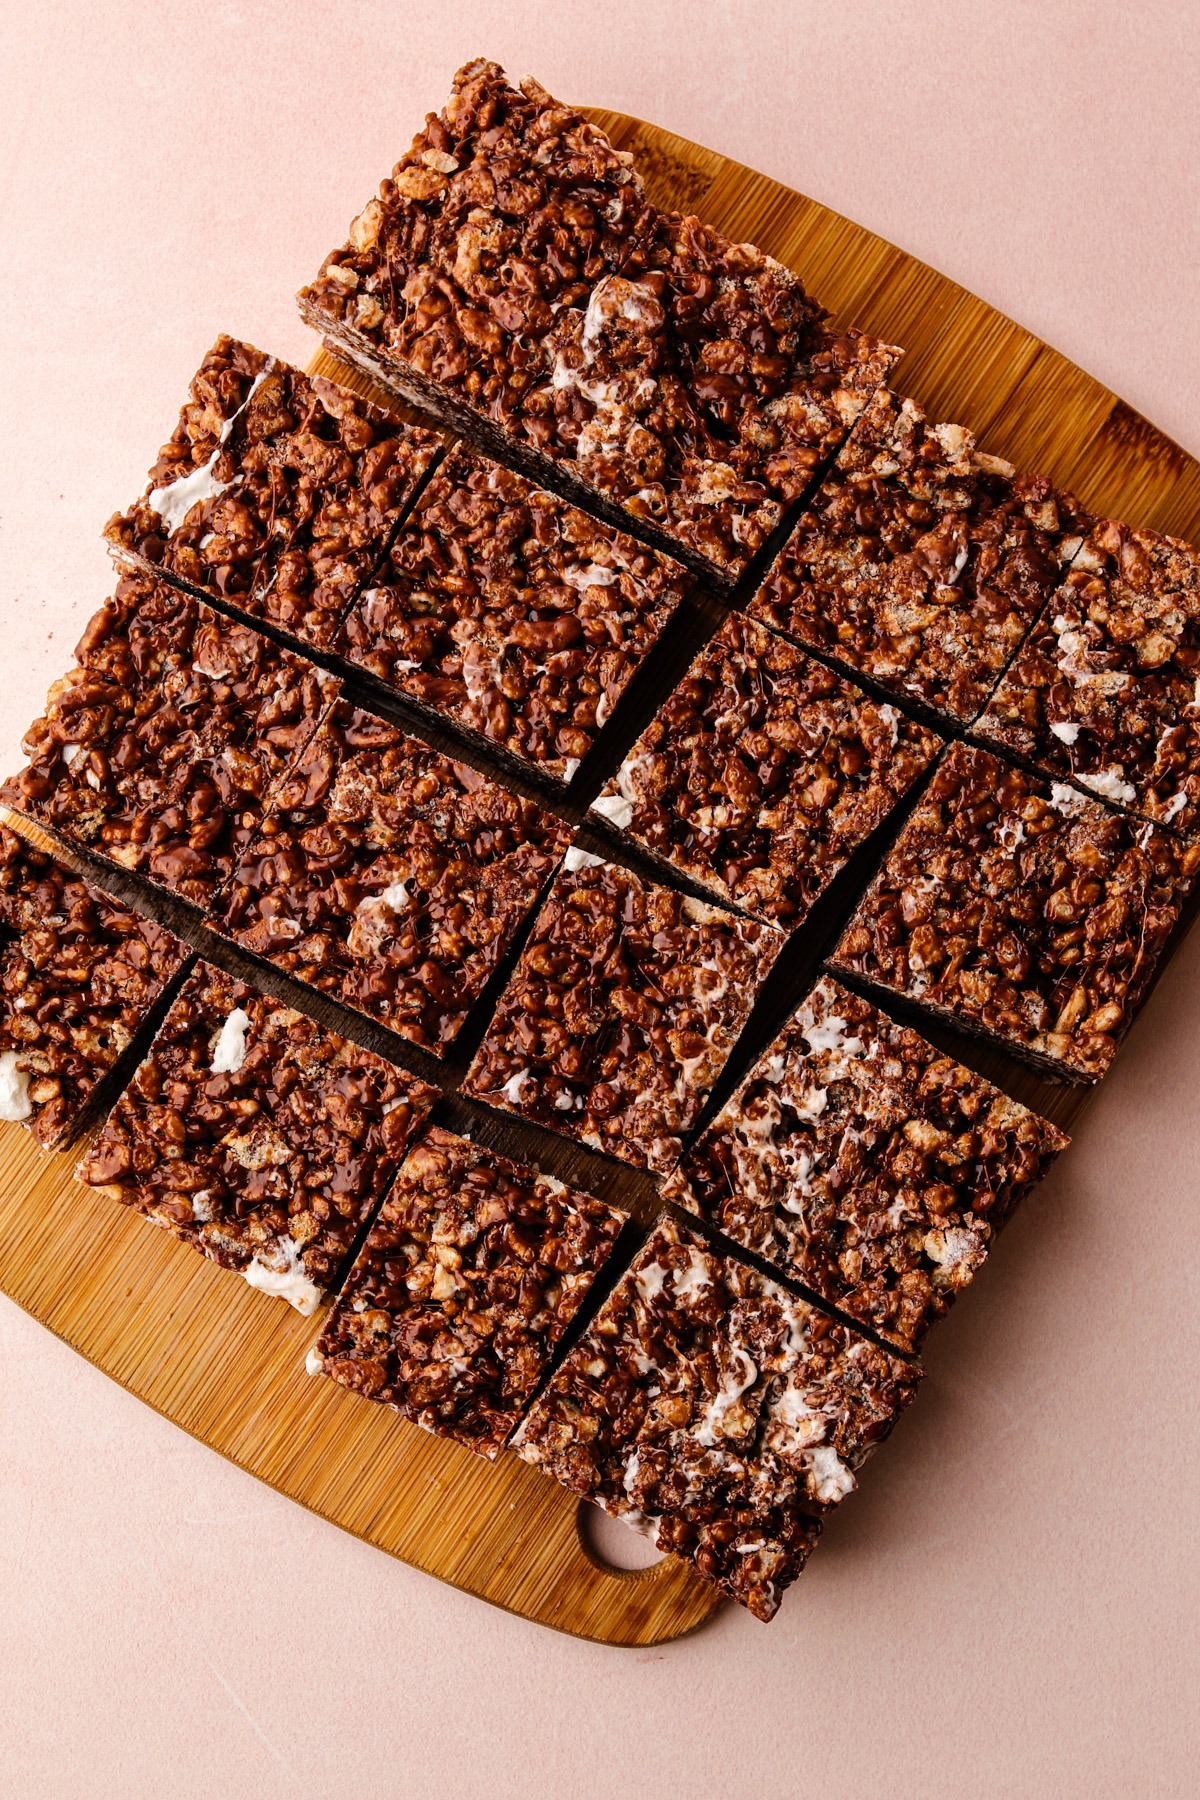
x: 257, y: 1137
x: 921, y: 563
x: 700, y: 389
x: 277, y: 493
x: 512, y: 614
x: 763, y: 772
x: 391, y: 878
x: 469, y: 1277
x: 718, y: 1412
x: 1106, y: 690
x: 159, y: 750
x: 622, y: 1011
x: 511, y: 277
x: 867, y: 1164
x: 1023, y: 911
x: 79, y: 978
x: 508, y: 208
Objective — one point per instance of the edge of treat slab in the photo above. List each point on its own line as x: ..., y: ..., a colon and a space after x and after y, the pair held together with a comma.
x: 115, y: 1291
x: 1046, y: 413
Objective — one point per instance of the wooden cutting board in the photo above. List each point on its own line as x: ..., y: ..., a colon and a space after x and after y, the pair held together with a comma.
x: 226, y: 1363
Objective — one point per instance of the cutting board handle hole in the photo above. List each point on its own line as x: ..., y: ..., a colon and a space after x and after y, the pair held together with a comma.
x: 614, y: 1546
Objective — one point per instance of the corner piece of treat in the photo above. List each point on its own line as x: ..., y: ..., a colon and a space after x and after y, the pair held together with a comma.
x: 507, y: 208
x: 80, y: 978
x: 257, y: 1136
x: 511, y: 276
x: 159, y: 750
x: 723, y: 1416
x: 1106, y: 690
x: 277, y: 493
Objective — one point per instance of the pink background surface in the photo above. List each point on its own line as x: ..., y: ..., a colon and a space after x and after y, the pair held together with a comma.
x: 1011, y: 1603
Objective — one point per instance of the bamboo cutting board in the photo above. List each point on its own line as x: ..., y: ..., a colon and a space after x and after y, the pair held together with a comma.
x: 227, y: 1364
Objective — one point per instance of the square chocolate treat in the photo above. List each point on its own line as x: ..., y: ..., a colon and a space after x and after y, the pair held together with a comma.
x: 159, y: 750
x: 80, y: 976
x: 278, y: 493
x: 512, y: 614
x: 867, y: 1164
x: 1022, y: 911
x: 257, y: 1137
x: 763, y: 772
x: 718, y: 1412
x: 1106, y: 690
x: 470, y: 1275
x: 700, y: 389
x: 391, y: 878
x: 507, y: 208
x: 921, y: 563
x: 622, y: 1012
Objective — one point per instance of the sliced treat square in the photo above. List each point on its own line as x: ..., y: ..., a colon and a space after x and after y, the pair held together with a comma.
x: 158, y: 751
x: 921, y: 563
x: 277, y: 493
x: 717, y: 1412
x: 1106, y: 691
x: 867, y: 1164
x: 390, y: 877
x: 80, y: 976
x: 469, y: 1277
x: 623, y: 1009
x: 1021, y: 910
x: 507, y: 208
x: 763, y: 772
x: 512, y: 614
x: 258, y: 1137
x: 700, y: 389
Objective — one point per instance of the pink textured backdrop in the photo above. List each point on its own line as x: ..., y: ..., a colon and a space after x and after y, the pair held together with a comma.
x: 1011, y: 1604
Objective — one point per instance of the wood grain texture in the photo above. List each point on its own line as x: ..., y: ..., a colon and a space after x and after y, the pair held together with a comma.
x: 226, y: 1363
